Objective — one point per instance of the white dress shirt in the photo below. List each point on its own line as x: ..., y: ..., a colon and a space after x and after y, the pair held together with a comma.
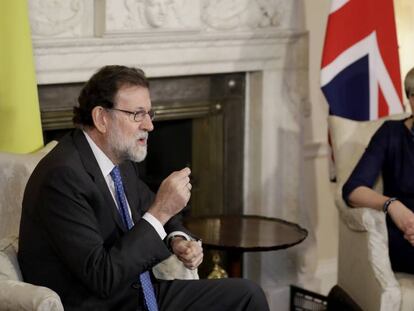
x: 106, y: 166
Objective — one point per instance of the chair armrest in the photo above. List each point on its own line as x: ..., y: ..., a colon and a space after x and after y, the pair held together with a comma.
x: 364, y: 219
x: 361, y: 218
x: 364, y: 230
x: 172, y: 268
x: 17, y: 295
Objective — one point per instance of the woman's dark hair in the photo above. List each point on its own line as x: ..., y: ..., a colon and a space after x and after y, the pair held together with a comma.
x: 102, y: 88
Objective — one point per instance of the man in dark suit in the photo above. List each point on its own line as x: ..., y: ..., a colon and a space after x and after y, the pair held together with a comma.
x: 91, y: 229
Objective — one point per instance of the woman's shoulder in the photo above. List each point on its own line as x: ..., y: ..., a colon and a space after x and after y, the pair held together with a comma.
x: 396, y: 122
x: 390, y: 129
x: 393, y: 124
x: 391, y: 132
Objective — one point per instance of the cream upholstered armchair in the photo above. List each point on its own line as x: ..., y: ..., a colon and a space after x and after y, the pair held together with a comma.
x: 15, y: 294
x: 364, y: 269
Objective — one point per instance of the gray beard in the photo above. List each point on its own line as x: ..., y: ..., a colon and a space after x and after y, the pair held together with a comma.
x: 124, y: 151
x: 139, y: 155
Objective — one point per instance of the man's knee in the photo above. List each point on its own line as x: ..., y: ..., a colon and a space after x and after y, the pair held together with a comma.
x: 249, y: 286
x: 256, y: 299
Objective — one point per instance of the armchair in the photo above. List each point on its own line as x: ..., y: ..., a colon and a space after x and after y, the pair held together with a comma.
x: 364, y: 268
x: 15, y: 294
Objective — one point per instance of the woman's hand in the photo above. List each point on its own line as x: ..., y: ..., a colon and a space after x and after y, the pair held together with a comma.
x: 403, y: 218
x: 400, y: 214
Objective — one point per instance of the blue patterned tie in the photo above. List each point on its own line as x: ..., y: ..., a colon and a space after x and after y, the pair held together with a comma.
x: 144, y: 278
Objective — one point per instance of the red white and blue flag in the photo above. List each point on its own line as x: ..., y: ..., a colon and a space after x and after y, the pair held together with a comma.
x: 360, y: 74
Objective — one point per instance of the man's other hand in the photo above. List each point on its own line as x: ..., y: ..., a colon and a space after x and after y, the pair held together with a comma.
x: 189, y: 252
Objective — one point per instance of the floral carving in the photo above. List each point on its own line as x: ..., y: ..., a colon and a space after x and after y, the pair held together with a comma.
x: 233, y: 14
x: 53, y: 17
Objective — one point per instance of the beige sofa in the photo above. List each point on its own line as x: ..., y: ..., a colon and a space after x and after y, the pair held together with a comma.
x: 364, y: 269
x: 14, y: 293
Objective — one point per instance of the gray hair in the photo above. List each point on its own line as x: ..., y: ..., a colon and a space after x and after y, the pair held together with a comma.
x: 409, y: 83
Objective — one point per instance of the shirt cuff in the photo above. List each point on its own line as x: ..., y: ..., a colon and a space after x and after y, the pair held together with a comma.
x: 178, y: 233
x: 156, y: 224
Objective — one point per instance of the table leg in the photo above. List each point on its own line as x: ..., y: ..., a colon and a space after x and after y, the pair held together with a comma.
x: 235, y: 263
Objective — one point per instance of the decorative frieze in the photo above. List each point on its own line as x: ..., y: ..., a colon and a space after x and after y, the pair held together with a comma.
x: 86, y: 18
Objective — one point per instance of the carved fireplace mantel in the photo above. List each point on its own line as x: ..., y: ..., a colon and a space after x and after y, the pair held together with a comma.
x: 74, y: 38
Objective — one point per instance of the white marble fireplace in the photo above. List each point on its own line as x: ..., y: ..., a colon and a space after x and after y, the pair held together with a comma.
x: 263, y: 38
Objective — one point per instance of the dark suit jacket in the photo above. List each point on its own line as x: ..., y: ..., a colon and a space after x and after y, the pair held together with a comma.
x: 72, y: 239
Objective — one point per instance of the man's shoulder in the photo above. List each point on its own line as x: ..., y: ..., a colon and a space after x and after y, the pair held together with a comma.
x: 64, y: 157
x: 65, y: 151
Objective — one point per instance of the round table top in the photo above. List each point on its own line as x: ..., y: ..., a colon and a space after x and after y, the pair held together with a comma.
x: 246, y: 233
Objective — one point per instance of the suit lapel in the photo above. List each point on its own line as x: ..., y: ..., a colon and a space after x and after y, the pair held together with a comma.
x: 92, y: 167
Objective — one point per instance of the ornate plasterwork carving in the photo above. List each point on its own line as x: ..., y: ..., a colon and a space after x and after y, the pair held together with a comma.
x: 54, y: 17
x: 75, y: 18
x: 126, y: 16
x: 151, y: 15
x: 236, y: 14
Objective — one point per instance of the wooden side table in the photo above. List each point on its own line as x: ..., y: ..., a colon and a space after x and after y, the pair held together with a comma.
x: 244, y: 233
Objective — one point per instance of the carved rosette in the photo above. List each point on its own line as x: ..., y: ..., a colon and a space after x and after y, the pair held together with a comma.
x: 239, y: 14
x: 56, y: 18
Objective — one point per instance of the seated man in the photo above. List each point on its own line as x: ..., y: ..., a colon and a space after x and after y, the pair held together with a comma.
x: 92, y: 230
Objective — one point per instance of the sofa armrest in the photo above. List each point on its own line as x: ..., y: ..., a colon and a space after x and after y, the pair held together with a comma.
x: 17, y: 295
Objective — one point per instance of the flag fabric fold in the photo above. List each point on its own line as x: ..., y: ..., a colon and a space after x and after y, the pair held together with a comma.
x: 360, y: 75
x: 20, y: 125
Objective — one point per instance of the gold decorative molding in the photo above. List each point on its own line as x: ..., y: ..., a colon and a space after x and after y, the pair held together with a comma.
x: 62, y: 119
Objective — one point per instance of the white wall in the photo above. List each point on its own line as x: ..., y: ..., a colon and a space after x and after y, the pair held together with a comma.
x: 318, y: 191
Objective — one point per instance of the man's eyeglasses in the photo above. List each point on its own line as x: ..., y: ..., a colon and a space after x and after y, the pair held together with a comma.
x: 137, y: 116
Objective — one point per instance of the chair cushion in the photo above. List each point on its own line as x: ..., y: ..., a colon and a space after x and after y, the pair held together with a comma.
x: 350, y: 139
x: 17, y: 295
x: 9, y: 266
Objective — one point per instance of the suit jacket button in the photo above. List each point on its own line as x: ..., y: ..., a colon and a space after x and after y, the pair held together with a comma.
x: 136, y: 285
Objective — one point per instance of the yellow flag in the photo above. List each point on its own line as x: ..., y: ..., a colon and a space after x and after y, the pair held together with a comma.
x: 20, y: 125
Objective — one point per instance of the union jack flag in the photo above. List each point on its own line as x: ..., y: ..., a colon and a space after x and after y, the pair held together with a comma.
x: 360, y: 74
